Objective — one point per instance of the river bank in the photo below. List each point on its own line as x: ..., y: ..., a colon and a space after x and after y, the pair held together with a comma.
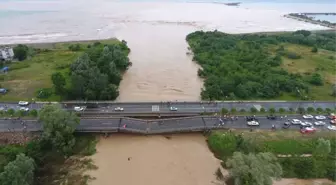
x: 310, y: 20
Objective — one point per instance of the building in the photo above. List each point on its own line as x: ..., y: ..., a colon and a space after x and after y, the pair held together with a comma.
x: 6, y: 53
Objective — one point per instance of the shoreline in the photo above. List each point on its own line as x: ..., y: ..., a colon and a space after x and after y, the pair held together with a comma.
x: 308, y: 20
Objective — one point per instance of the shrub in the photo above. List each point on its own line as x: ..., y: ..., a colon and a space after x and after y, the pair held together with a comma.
x: 301, y: 110
x: 282, y: 110
x: 33, y: 113
x: 233, y: 110
x: 328, y: 110
x: 292, y: 55
x: 291, y: 109
x: 310, y: 109
x: 11, y: 111
x: 75, y: 47
x: 242, y: 110
x: 44, y: 93
x: 314, y: 49
x: 253, y: 110
x: 224, y: 111
x: 272, y: 110
x: 316, y: 79
x: 262, y: 110
x: 319, y: 109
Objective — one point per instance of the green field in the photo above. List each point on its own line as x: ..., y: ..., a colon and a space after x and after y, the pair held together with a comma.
x: 26, y: 77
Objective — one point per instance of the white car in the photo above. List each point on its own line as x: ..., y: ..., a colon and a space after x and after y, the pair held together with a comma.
x: 319, y: 123
x: 306, y: 123
x: 332, y: 127
x: 253, y: 123
x: 320, y: 117
x: 296, y: 122
x: 173, y: 109
x: 26, y: 109
x: 23, y: 103
x: 78, y: 109
x: 119, y: 109
x: 308, y: 116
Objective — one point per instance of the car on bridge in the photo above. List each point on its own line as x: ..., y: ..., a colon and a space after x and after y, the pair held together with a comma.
x: 173, y: 108
x: 26, y: 109
x: 23, y: 103
x: 78, y: 109
x: 253, y: 123
x: 119, y: 109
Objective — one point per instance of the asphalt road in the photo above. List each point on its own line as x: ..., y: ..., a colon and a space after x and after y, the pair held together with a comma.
x: 156, y: 126
x: 182, y: 107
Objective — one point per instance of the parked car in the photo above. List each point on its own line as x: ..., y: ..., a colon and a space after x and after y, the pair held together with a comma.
x: 320, y: 117
x: 253, y: 123
x: 296, y: 122
x: 319, y: 123
x: 26, y: 109
x: 23, y: 103
x: 308, y: 116
x: 332, y: 116
x: 272, y: 117
x: 119, y: 109
x: 173, y: 109
x: 332, y: 127
x: 78, y: 109
x: 308, y: 130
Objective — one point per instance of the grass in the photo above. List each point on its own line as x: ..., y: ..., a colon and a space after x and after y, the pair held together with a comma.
x: 26, y: 77
x: 322, y: 62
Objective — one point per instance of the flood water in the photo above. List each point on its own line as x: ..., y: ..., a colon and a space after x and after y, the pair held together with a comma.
x: 161, y: 69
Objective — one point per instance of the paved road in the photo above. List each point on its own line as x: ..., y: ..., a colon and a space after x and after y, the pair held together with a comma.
x: 182, y: 107
x: 156, y: 126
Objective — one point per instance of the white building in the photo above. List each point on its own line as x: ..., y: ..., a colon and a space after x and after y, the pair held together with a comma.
x: 6, y: 53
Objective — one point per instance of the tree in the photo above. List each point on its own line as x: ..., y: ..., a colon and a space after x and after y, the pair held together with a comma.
x: 20, y: 52
x: 323, y: 147
x: 59, y: 82
x: 262, y: 110
x: 314, y: 49
x: 18, y: 172
x: 224, y: 111
x: 316, y: 79
x: 253, y: 110
x: 272, y: 110
x: 233, y: 110
x: 301, y: 110
x: 254, y: 169
x: 282, y: 110
x: 310, y: 109
x: 58, y: 127
x: 111, y: 92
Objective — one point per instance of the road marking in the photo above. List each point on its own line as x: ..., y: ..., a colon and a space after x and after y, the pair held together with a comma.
x: 155, y: 108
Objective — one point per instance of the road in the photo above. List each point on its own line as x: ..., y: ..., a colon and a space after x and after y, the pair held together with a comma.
x: 198, y: 123
x: 182, y: 107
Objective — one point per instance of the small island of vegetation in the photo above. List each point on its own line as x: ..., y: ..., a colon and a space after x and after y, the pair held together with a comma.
x: 291, y: 65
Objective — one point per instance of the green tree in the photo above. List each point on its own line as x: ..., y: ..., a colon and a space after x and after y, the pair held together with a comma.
x: 319, y: 109
x: 58, y: 127
x: 254, y: 169
x: 310, y: 109
x: 316, y: 79
x: 59, y: 82
x: 262, y: 110
x: 21, y: 52
x: 233, y: 110
x: 272, y: 110
x: 111, y: 92
x: 301, y: 110
x: 18, y: 172
x: 33, y: 113
x: 11, y: 111
x: 224, y: 111
x: 314, y: 49
x: 253, y: 110
x: 282, y: 110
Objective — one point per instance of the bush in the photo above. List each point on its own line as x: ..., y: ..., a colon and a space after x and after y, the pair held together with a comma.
x: 282, y: 110
x: 328, y: 110
x: 272, y: 110
x: 262, y: 110
x: 224, y: 111
x: 301, y: 110
x: 233, y: 110
x: 314, y: 50
x: 291, y: 109
x: 310, y: 109
x: 253, y: 110
x: 11, y: 111
x: 316, y: 79
x: 319, y: 109
x: 21, y: 52
x: 292, y: 55
x: 242, y: 110
x: 33, y: 113
x: 75, y: 47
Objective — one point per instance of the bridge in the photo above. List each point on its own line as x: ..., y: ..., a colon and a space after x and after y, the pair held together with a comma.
x: 160, y: 126
x: 319, y: 13
x: 134, y: 109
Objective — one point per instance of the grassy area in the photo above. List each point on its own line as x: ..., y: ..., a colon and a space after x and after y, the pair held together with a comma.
x: 26, y: 77
x: 322, y: 62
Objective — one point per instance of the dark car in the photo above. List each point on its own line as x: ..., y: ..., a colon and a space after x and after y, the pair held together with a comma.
x: 272, y: 117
